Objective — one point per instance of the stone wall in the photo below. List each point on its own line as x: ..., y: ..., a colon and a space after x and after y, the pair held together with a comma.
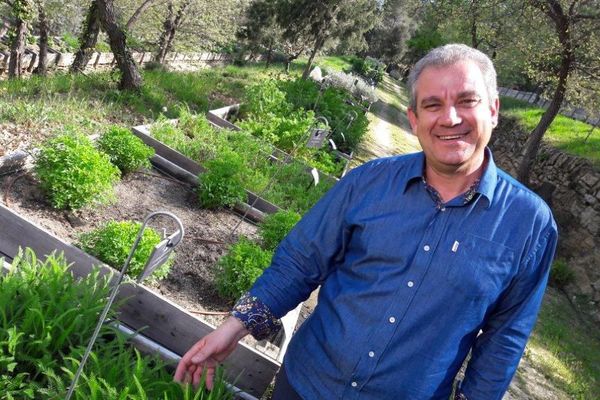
x: 103, y: 61
x: 571, y: 185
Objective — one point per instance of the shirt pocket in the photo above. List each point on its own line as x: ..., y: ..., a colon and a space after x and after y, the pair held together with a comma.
x: 479, y: 268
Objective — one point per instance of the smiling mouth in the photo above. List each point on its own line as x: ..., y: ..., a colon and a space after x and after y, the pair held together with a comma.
x: 452, y: 137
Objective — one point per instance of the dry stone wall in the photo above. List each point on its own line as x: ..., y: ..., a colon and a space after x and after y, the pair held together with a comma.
x: 571, y: 185
x: 103, y: 61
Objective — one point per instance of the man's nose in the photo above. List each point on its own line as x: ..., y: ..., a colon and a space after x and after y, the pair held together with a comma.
x: 450, y: 116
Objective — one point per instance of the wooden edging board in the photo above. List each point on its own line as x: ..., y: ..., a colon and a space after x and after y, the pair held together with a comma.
x: 193, y: 168
x: 142, y: 309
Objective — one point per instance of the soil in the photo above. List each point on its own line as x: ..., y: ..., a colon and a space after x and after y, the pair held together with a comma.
x: 191, y: 282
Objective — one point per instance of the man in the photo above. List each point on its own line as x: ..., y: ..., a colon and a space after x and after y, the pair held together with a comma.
x: 420, y: 259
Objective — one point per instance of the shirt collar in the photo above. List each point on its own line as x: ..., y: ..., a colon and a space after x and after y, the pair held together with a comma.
x: 487, y: 182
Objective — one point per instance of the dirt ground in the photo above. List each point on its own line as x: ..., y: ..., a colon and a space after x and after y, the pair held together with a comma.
x: 191, y: 282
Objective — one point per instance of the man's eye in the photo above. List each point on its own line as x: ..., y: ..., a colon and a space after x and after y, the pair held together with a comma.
x: 470, y: 101
x: 431, y: 106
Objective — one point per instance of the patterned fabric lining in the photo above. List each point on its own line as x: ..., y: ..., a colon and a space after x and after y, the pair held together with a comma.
x: 256, y: 317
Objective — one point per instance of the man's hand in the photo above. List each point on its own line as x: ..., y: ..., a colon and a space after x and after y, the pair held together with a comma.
x: 209, y: 352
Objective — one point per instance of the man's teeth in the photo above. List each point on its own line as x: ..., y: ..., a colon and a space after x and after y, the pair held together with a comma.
x: 450, y: 137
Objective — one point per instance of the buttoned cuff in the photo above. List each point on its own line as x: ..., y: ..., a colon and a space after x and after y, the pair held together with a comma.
x: 256, y: 317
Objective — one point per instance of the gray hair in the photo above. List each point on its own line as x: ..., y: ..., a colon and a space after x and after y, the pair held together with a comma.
x: 451, y: 54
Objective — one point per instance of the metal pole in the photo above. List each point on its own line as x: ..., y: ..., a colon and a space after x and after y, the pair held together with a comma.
x: 112, y: 297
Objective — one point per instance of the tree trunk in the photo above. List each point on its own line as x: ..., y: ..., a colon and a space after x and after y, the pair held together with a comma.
x: 318, y: 44
x: 269, y: 54
x: 136, y: 15
x: 130, y: 76
x: 168, y: 28
x: 43, y: 26
x: 88, y: 39
x: 22, y: 9
x: 535, y: 138
x: 172, y: 22
x: 4, y: 26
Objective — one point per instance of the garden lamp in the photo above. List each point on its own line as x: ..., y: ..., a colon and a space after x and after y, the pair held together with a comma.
x: 159, y: 256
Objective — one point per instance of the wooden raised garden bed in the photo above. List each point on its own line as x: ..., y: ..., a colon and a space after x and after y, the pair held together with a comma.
x: 222, y: 117
x: 159, y: 319
x: 187, y: 170
x: 174, y: 163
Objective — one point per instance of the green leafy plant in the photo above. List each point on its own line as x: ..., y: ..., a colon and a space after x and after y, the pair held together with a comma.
x: 73, y: 173
x: 240, y: 267
x: 112, y: 242
x: 125, y: 150
x: 276, y: 226
x: 45, y: 312
x: 222, y: 184
x: 47, y: 319
x: 561, y: 274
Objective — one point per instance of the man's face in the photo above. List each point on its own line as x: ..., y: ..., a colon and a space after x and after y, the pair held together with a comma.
x: 454, y: 117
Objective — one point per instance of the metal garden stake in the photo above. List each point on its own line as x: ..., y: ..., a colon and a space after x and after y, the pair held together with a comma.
x: 159, y: 255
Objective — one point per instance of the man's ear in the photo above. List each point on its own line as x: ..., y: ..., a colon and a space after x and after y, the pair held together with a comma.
x: 495, y: 111
x: 412, y: 118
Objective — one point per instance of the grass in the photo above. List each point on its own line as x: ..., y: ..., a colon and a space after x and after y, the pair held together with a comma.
x: 566, y: 350
x: 89, y: 103
x: 564, y: 133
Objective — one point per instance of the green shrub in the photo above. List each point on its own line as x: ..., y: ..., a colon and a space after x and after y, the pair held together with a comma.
x: 276, y: 226
x: 125, y: 150
x: 45, y: 312
x: 265, y: 99
x: 240, y: 267
x: 222, y: 184
x: 111, y: 243
x: 73, y: 173
x: 561, y: 274
x: 294, y: 188
x: 48, y: 317
x: 333, y: 107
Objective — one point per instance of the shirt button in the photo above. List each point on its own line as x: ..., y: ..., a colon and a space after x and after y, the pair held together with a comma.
x: 426, y: 247
x: 371, y: 354
x: 410, y: 284
x: 392, y: 320
x: 354, y: 384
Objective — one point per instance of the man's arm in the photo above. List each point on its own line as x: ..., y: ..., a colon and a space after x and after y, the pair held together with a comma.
x: 497, y: 351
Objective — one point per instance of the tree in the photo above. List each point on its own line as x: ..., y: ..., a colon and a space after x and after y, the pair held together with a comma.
x: 87, y: 39
x: 172, y: 22
x: 316, y: 22
x: 260, y: 29
x: 567, y: 65
x: 388, y: 40
x: 130, y: 76
x: 23, y: 14
x: 43, y: 42
x: 138, y: 13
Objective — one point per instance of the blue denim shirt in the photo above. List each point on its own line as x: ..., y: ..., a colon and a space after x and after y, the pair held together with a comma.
x: 407, y: 286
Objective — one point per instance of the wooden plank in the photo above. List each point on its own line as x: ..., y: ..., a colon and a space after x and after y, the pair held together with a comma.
x: 167, y: 152
x: 181, y: 161
x: 157, y: 317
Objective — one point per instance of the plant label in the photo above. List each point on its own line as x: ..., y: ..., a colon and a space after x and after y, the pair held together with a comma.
x: 317, y: 137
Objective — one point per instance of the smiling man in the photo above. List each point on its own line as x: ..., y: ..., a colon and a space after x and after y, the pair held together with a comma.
x: 421, y: 258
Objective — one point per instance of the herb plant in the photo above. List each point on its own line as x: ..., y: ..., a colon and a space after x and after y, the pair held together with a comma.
x: 222, y: 184
x: 112, y: 242
x: 48, y: 317
x: 240, y: 267
x: 125, y: 150
x: 73, y: 173
x: 276, y: 226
